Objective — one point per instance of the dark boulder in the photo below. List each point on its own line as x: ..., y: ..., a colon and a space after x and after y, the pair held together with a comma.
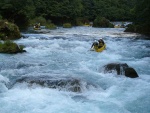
x: 65, y: 83
x: 120, y: 69
x: 130, y: 72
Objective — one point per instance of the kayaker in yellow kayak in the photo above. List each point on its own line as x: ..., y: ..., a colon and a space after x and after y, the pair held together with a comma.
x: 98, y: 46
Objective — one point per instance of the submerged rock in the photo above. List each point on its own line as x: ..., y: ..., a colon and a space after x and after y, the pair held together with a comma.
x: 66, y: 83
x: 121, y: 69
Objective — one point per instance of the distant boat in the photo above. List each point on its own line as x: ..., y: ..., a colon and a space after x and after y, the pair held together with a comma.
x: 37, y: 26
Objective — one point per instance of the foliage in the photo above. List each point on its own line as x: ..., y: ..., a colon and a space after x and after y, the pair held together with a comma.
x: 0, y: 17
x: 82, y: 21
x: 40, y: 20
x: 8, y: 30
x: 65, y: 11
x: 67, y: 25
x: 130, y: 28
x: 10, y: 47
x: 16, y: 11
x: 141, y: 22
x: 51, y: 26
x: 102, y: 22
x: 43, y: 22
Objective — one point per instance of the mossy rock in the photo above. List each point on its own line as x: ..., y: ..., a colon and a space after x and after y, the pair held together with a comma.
x: 10, y: 47
x: 102, y: 22
x: 9, y: 31
x: 67, y: 25
x: 51, y: 26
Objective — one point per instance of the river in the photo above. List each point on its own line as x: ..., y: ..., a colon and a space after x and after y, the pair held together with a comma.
x: 66, y: 53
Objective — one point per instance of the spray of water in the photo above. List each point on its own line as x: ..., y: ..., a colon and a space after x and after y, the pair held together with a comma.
x: 65, y: 53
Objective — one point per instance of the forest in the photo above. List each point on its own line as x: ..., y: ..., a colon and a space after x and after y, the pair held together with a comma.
x: 22, y: 12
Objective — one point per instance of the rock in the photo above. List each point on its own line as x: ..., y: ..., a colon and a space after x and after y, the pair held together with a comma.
x: 10, y: 47
x: 66, y: 83
x: 120, y: 69
x: 130, y: 72
x: 67, y: 25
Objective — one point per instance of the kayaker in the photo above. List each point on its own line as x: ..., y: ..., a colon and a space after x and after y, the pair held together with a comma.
x: 100, y: 43
x: 94, y: 45
x: 98, y: 46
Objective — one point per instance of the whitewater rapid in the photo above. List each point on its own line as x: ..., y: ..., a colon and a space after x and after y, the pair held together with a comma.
x: 66, y: 53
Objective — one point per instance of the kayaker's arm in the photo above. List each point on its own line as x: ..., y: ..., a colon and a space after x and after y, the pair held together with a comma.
x: 92, y: 46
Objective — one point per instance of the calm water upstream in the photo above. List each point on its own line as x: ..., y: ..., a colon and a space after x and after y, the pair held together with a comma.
x: 65, y: 53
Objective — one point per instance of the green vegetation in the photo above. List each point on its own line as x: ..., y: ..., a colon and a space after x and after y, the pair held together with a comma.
x: 8, y: 30
x: 76, y: 12
x: 82, y: 21
x: 141, y: 22
x: 67, y: 25
x: 10, y: 47
x: 102, y: 22
x: 51, y: 26
x: 43, y: 22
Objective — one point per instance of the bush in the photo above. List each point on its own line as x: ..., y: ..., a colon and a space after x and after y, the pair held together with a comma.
x: 22, y: 20
x: 9, y: 30
x: 51, y: 26
x: 139, y: 28
x: 102, y: 22
x: 43, y: 22
x: 82, y: 21
x: 40, y: 20
x: 0, y: 17
x: 67, y: 25
x: 10, y: 47
x: 130, y: 28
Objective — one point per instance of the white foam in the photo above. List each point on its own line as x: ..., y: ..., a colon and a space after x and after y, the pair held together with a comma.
x: 65, y: 52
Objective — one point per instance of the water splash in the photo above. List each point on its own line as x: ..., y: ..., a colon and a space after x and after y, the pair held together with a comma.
x: 65, y: 52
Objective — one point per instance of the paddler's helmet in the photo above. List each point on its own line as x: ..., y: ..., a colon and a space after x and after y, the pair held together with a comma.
x: 100, y: 40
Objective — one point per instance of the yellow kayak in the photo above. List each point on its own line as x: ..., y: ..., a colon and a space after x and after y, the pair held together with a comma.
x: 100, y: 49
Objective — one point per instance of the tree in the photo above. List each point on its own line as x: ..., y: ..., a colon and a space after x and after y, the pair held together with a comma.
x: 141, y: 23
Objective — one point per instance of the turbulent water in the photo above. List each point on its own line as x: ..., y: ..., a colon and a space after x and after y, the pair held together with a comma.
x: 65, y: 53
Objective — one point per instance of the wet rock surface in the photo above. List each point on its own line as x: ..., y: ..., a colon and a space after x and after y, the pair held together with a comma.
x: 61, y: 83
x: 120, y: 69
